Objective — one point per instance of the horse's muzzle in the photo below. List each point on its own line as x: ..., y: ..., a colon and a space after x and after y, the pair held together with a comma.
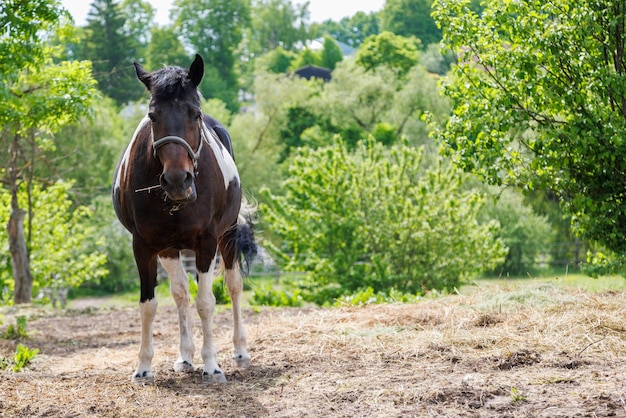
x: 179, y: 186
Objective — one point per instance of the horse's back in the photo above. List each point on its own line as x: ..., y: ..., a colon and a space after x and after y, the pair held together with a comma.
x: 221, y: 132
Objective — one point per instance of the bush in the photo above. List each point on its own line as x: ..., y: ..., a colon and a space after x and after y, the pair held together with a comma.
x: 376, y: 218
x: 267, y: 296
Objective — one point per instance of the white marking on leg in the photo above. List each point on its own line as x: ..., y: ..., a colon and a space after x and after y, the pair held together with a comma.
x: 234, y: 281
x: 224, y: 159
x: 205, y: 303
x: 179, y: 286
x: 147, y: 311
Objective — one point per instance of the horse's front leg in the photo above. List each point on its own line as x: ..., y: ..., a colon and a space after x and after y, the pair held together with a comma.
x: 179, y: 285
x: 205, y: 303
x: 147, y: 267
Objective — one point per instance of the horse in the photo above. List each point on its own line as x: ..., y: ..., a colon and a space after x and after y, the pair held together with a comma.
x: 177, y: 187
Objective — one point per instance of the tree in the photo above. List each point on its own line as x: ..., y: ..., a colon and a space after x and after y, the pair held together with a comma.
x: 63, y: 249
x: 37, y: 97
x: 410, y: 18
x: 87, y: 151
x: 165, y: 48
x: 277, y: 23
x: 139, y: 20
x: 375, y: 218
x: 214, y: 29
x: 350, y: 30
x: 306, y: 57
x: 258, y: 132
x: 331, y: 54
x: 358, y: 97
x: 111, y: 44
x: 525, y: 233
x: 276, y: 61
x: 539, y: 101
x: 389, y: 50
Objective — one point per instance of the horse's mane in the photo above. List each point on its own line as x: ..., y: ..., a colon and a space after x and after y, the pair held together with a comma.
x: 171, y: 83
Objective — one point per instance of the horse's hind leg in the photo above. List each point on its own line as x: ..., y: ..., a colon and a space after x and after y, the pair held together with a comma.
x: 179, y: 285
x: 234, y: 282
x: 205, y: 303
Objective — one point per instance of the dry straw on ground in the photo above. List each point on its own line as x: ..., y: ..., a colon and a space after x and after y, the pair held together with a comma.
x: 538, y: 351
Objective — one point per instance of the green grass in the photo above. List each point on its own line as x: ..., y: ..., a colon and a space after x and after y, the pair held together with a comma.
x: 570, y: 281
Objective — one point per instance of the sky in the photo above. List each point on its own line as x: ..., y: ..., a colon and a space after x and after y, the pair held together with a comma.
x: 320, y: 10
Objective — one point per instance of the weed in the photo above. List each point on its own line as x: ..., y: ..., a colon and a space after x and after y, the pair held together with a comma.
x: 16, y: 331
x: 23, y: 356
x: 516, y: 395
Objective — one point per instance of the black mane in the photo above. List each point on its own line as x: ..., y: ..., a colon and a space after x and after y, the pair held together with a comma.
x: 172, y: 83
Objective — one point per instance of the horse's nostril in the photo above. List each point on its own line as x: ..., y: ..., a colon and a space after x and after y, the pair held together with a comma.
x: 188, y: 179
x: 163, y: 180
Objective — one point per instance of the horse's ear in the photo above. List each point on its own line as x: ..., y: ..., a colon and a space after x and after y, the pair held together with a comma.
x: 196, y: 70
x: 142, y: 75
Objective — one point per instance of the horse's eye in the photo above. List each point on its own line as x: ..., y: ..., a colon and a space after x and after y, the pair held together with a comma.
x: 198, y: 116
x: 151, y: 116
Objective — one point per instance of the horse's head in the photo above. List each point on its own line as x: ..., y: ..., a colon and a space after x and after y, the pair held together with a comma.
x: 176, y: 120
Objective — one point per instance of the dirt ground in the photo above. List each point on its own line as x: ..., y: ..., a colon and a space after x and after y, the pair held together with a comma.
x: 537, y: 352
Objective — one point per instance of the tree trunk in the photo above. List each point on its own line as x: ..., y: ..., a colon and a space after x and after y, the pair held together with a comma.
x: 19, y: 254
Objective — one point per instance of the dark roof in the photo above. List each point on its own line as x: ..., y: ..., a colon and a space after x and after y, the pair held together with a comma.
x: 313, y: 71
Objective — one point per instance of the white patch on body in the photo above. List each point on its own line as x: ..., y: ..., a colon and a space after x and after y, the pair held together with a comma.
x: 224, y: 159
x: 124, y: 162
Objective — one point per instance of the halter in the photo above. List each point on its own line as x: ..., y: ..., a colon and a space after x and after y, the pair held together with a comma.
x: 180, y: 141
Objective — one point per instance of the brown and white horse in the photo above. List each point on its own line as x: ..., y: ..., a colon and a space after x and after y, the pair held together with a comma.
x: 177, y: 187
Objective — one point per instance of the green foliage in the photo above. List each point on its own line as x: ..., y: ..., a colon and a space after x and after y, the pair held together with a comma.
x: 410, y: 18
x: 111, y: 49
x: 525, y: 233
x: 64, y: 250
x: 87, y: 151
x: 436, y: 61
x: 351, y: 30
x: 277, y: 61
x: 20, y: 43
x: 277, y: 23
x: 331, y: 54
x: 389, y: 50
x: 538, y: 102
x: 165, y: 48
x: 23, y: 356
x: 16, y: 331
x: 369, y: 297
x: 307, y: 57
x: 120, y: 267
x: 385, y: 133
x: 257, y: 133
x: 268, y: 296
x: 215, y: 35
x: 220, y: 291
x: 375, y: 218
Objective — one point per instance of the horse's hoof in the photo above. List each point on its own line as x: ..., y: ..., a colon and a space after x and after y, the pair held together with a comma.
x: 241, y: 361
x: 145, y: 377
x: 183, y: 366
x: 217, y: 376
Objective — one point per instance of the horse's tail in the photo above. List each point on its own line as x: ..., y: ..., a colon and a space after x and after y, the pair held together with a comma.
x: 244, y: 236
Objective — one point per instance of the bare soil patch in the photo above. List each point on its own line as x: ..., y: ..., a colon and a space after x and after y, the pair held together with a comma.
x: 545, y: 352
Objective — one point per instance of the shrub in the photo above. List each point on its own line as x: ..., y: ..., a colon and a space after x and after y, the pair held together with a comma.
x: 376, y: 218
x: 267, y: 296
